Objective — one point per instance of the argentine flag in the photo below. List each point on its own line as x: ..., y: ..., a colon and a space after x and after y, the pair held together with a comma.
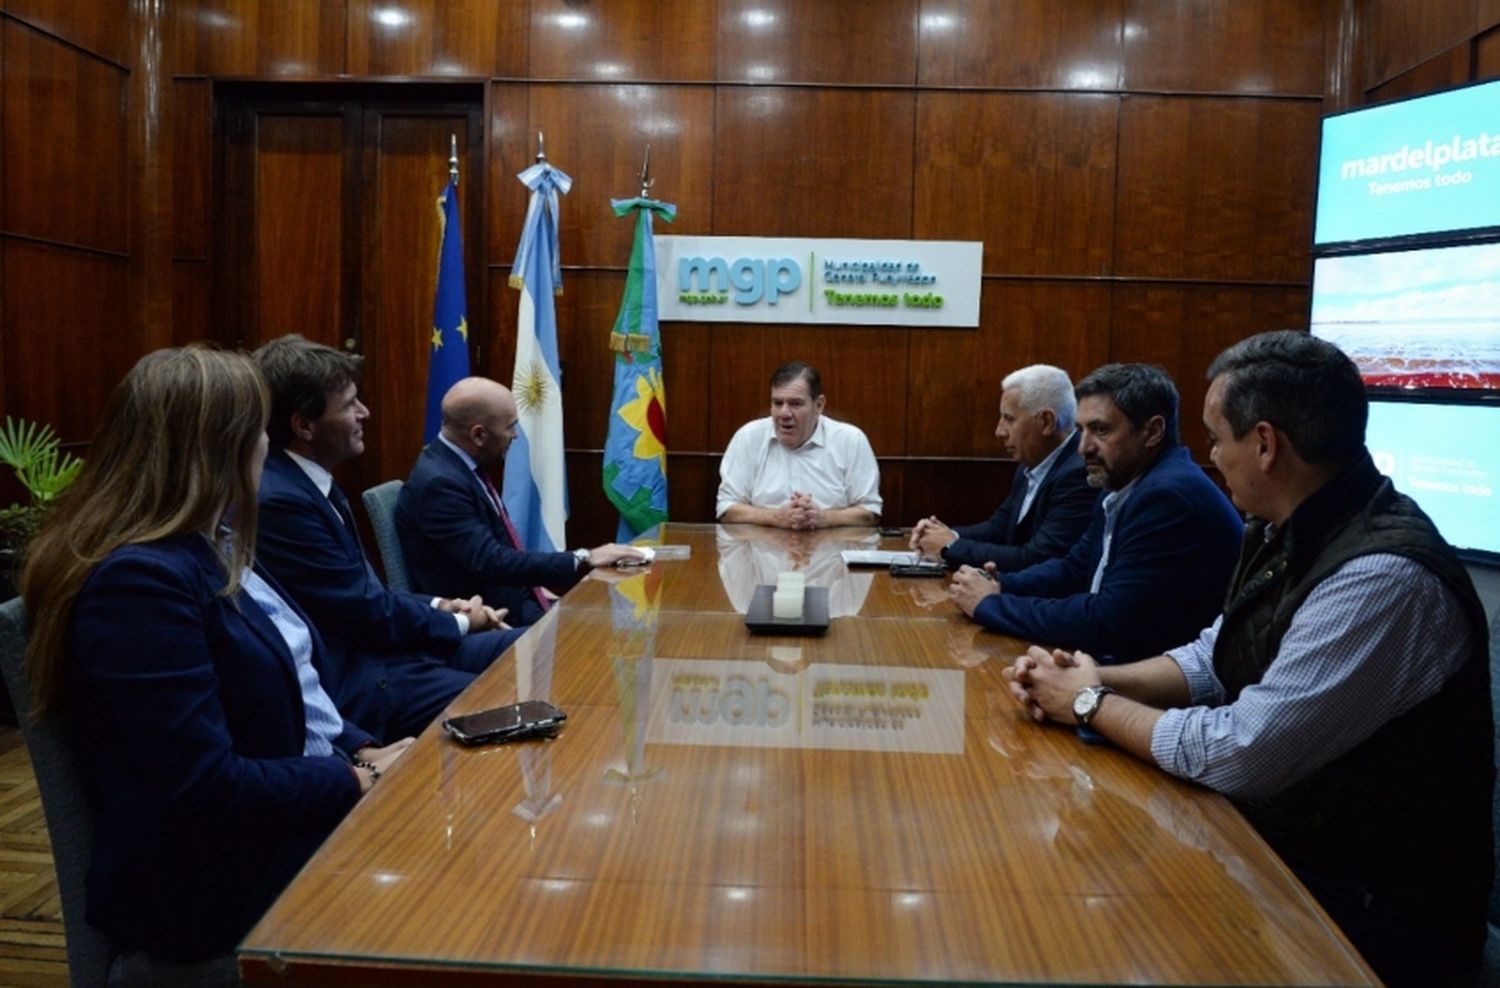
x: 536, y: 483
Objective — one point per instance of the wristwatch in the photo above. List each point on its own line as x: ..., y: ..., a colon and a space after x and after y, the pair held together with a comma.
x: 1086, y: 702
x: 582, y: 556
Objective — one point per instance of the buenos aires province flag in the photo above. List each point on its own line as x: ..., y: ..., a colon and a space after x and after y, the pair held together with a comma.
x: 635, y: 447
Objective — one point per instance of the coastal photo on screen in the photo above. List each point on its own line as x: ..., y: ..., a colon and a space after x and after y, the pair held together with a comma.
x: 1426, y: 318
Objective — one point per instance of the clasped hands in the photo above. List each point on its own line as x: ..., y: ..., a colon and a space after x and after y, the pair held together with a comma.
x: 970, y: 586
x: 370, y: 762
x: 1045, y: 682
x: 482, y: 617
x: 800, y: 513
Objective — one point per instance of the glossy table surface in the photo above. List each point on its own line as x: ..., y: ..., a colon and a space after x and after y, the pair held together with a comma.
x: 865, y: 806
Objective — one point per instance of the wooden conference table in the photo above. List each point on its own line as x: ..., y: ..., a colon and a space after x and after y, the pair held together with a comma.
x: 868, y: 806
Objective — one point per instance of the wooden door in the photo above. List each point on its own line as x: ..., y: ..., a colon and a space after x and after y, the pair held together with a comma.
x: 328, y: 227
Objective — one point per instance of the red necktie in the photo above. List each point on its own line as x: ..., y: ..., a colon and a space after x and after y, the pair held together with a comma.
x: 510, y: 530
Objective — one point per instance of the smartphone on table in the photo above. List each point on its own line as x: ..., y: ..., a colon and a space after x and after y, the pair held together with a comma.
x: 516, y: 722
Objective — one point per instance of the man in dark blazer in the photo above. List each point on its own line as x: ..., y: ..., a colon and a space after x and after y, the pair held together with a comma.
x: 1050, y: 499
x: 1154, y: 565
x: 453, y: 527
x: 394, y: 660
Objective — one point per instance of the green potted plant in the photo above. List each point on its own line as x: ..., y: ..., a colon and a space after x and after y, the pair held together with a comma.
x: 35, y: 455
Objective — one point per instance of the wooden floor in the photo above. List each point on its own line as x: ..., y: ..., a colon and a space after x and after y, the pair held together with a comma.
x: 31, y: 932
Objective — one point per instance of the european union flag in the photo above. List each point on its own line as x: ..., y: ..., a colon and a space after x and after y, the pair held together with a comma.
x: 448, y: 362
x: 635, y: 447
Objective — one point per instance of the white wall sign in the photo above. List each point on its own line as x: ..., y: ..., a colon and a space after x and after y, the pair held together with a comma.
x: 788, y: 280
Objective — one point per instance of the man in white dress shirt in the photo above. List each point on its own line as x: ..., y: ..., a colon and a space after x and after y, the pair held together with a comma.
x: 798, y: 468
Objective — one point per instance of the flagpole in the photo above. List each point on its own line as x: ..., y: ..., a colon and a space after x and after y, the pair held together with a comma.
x: 448, y: 335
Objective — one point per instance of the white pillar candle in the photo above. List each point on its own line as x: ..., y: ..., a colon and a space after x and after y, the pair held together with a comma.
x: 786, y: 605
x: 791, y: 580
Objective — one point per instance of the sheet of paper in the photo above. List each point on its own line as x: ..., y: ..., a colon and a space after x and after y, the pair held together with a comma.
x: 876, y: 557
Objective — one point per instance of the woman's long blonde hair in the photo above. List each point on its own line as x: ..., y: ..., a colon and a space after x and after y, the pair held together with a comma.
x: 173, y: 456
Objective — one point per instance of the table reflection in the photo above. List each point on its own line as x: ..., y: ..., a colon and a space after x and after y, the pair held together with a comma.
x: 831, y: 706
x: 753, y: 555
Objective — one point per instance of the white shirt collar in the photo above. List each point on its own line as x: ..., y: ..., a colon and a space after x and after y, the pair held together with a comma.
x: 819, y: 436
x: 319, y: 475
x: 468, y: 460
x: 1040, y: 470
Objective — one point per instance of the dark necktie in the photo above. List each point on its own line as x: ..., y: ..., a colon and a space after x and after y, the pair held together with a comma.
x: 346, y: 513
x: 510, y: 529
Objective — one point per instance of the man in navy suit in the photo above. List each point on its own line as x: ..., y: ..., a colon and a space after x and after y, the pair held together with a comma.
x: 454, y: 530
x: 1050, y: 499
x: 1154, y: 565
x: 394, y: 660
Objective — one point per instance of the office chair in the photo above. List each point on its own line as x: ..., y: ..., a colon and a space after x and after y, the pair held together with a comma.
x: 380, y: 502
x: 93, y: 961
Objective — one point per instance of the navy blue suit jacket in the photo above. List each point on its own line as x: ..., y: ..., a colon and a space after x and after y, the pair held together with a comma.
x: 385, y: 663
x: 456, y: 544
x: 189, y: 727
x: 1059, y: 515
x: 1176, y: 542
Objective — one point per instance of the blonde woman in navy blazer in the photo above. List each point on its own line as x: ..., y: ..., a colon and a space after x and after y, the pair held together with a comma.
x: 215, y: 763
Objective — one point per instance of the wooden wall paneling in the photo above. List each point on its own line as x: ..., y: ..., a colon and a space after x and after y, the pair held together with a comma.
x: 955, y: 374
x: 1401, y: 34
x: 1343, y: 68
x: 1450, y: 68
x: 1183, y: 328
x: 148, y: 121
x: 192, y: 300
x: 1239, y: 46
x: 437, y: 38
x: 1487, y: 15
x: 497, y: 358
x: 512, y: 147
x: 864, y: 371
x: 258, y: 37
x: 586, y: 313
x: 190, y: 103
x: 592, y: 520
x: 893, y: 498
x: 1216, y: 188
x: 692, y: 483
x: 1030, y: 174
x: 98, y: 26
x: 63, y: 136
x: 405, y: 168
x: 813, y: 41
x: 814, y: 162
x: 1024, y: 43
x: 598, y: 136
x: 622, y: 40
x: 66, y: 343
x: 959, y: 491
x: 299, y: 229
x: 1487, y: 55
x: 692, y: 486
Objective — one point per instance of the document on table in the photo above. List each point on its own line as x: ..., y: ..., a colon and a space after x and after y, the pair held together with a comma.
x: 876, y: 557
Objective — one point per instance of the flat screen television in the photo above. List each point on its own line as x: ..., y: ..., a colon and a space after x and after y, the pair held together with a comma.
x: 1442, y: 455
x: 1419, y: 167
x: 1425, y: 318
